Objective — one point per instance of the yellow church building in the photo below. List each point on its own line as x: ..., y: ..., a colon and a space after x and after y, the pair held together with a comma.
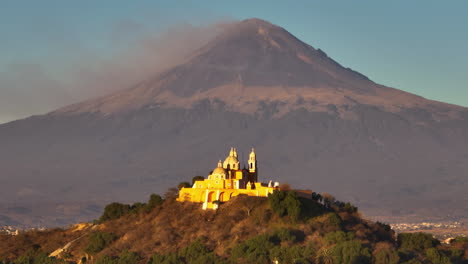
x: 226, y: 181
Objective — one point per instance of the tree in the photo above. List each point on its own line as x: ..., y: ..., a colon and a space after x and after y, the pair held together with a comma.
x: 171, y: 194
x: 247, y: 203
x: 387, y: 256
x: 253, y: 250
x: 155, y: 200
x: 350, y: 252
x: 197, y: 178
x: 337, y: 237
x: 285, y: 203
x: 135, y: 208
x: 184, y: 185
x: 317, y: 197
x: 114, y: 211
x: 98, y: 241
x: 436, y: 257
x: 194, y: 251
x: 416, y: 241
x: 328, y: 199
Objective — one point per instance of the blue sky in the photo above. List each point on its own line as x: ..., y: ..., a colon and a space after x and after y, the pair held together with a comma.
x: 417, y: 46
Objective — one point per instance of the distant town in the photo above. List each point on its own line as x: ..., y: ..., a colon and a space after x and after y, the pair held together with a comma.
x: 14, y: 231
x: 444, y: 231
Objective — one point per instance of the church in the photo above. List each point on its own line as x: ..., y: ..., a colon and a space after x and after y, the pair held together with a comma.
x: 226, y: 181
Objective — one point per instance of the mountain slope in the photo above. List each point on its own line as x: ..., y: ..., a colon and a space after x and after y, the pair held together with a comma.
x: 255, y: 61
x: 313, y: 122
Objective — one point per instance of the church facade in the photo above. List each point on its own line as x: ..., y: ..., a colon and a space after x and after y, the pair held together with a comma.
x: 228, y: 180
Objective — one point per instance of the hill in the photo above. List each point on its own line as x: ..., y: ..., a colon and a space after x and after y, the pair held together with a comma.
x: 314, y: 123
x: 283, y: 227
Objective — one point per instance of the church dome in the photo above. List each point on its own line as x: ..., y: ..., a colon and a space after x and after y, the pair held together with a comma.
x: 219, y: 171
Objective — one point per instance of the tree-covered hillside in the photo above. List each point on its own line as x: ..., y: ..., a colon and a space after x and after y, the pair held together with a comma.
x: 285, y: 227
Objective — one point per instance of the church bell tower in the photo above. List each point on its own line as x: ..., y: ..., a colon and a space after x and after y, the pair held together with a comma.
x: 252, y: 162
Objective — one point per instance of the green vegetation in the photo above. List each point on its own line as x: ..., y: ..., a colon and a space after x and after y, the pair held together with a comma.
x: 349, y: 252
x: 98, y: 241
x: 184, y: 185
x: 437, y: 257
x: 196, y: 253
x: 197, y: 178
x: 126, y: 257
x: 284, y: 227
x: 338, y: 237
x: 116, y: 210
x: 386, y: 256
x: 282, y: 245
x: 285, y: 203
x: 459, y: 240
x: 37, y: 258
x: 155, y: 200
x: 416, y: 241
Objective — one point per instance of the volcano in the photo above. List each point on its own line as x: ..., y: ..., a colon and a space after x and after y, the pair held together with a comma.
x: 314, y: 124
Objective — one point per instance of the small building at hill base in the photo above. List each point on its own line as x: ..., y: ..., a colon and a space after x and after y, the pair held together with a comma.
x: 228, y: 180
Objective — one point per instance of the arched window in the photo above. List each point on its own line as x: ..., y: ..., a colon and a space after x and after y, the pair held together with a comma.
x: 251, y: 165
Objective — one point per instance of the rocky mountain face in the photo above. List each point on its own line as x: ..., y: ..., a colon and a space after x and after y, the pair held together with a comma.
x: 314, y: 123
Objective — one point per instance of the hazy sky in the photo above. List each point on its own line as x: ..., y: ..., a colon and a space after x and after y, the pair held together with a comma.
x: 53, y: 53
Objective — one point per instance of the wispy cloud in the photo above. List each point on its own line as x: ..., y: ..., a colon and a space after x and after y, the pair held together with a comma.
x: 36, y: 88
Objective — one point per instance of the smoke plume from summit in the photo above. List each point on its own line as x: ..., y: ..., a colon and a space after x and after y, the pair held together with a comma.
x: 77, y: 72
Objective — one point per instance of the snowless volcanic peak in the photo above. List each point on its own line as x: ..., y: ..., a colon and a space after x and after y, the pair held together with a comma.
x: 250, y: 63
x: 315, y: 124
x: 257, y: 53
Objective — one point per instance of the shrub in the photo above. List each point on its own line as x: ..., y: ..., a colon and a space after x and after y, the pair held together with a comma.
x: 310, y: 208
x: 98, y: 241
x: 171, y: 194
x: 292, y: 254
x: 285, y: 203
x: 36, y: 258
x: 284, y: 235
x: 195, y: 253
x: 171, y: 258
x: 436, y: 257
x: 338, y: 237
x: 412, y: 261
x: 254, y: 250
x: 350, y: 252
x: 197, y: 178
x: 416, y: 241
x: 136, y: 207
x: 386, y: 256
x: 334, y: 221
x: 317, y: 197
x: 114, y: 211
x: 348, y: 207
x: 328, y: 200
x: 106, y: 260
x: 155, y: 200
x: 459, y: 239
x: 184, y: 185
x: 128, y: 257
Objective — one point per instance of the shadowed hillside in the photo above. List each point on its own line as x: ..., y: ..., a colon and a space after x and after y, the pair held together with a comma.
x: 282, y: 227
